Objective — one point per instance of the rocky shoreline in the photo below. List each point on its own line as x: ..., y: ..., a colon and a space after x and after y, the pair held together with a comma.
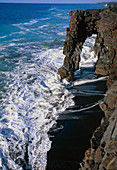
x: 103, y: 22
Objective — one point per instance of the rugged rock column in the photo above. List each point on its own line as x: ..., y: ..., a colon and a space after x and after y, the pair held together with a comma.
x: 82, y: 25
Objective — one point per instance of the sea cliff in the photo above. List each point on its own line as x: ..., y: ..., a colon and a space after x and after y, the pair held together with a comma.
x: 103, y: 22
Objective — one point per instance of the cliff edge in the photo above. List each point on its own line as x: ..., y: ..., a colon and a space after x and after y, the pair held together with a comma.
x: 103, y: 152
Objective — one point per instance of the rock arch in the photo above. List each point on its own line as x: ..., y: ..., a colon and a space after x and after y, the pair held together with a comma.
x: 83, y: 24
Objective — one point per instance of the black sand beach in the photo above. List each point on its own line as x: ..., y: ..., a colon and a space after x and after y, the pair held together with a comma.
x: 80, y: 121
x: 75, y: 126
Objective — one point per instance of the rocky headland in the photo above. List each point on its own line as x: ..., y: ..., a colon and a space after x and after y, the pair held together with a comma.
x: 103, y: 152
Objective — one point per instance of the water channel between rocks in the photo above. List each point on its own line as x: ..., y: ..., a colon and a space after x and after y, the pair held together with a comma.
x: 75, y: 126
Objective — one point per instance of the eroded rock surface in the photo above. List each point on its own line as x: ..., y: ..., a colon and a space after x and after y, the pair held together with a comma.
x: 103, y: 152
x: 83, y: 24
x: 104, y: 140
x: 106, y: 44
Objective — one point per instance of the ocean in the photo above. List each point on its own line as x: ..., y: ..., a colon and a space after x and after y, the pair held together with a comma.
x: 32, y: 95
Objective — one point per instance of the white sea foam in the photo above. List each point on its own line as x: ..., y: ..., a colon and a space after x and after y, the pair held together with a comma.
x: 43, y: 26
x: 52, y: 9
x: 61, y: 33
x: 25, y: 26
x: 11, y: 44
x: 20, y: 32
x: 3, y: 37
x: 42, y: 19
x: 81, y: 82
x: 88, y: 57
x: 19, y: 39
x: 22, y: 27
x: 2, y: 48
x: 31, y: 22
x: 27, y: 23
x: 34, y: 98
x: 87, y: 107
x: 61, y: 16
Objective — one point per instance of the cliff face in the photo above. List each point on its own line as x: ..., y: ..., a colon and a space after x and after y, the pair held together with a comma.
x: 106, y: 44
x: 82, y: 25
x: 103, y: 152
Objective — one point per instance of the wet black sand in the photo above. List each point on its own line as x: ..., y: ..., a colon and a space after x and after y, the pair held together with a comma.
x: 70, y: 143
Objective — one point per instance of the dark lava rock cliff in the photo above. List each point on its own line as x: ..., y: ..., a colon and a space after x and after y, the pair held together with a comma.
x: 103, y: 152
x: 82, y: 25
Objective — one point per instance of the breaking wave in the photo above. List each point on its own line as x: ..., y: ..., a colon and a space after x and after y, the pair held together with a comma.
x: 33, y: 100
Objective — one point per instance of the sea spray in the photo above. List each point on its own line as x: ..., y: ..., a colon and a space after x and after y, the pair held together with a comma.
x: 34, y: 98
x: 31, y: 94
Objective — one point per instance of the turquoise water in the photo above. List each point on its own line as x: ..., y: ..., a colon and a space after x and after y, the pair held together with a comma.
x: 34, y: 24
x: 31, y: 93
